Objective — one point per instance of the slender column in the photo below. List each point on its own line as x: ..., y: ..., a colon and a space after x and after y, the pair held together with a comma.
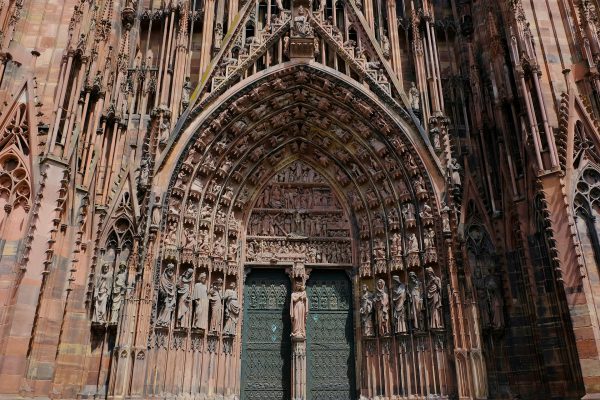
x: 298, y: 368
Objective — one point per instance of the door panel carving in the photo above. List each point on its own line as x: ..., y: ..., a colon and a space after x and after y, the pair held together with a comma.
x: 330, y: 352
x: 266, y: 336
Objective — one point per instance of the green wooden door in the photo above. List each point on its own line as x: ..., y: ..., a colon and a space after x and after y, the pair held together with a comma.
x: 330, y: 342
x: 266, y: 349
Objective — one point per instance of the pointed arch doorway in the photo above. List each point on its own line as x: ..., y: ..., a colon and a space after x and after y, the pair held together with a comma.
x: 298, y: 218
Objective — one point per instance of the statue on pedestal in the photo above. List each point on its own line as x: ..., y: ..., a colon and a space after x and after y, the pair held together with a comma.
x: 399, y: 300
x: 366, y: 311
x: 183, y: 298
x: 382, y: 305
x: 200, y: 299
x: 101, y: 293
x: 215, y: 300
x: 166, y: 292
x: 298, y: 311
x: 434, y: 299
x: 118, y: 292
x: 232, y: 310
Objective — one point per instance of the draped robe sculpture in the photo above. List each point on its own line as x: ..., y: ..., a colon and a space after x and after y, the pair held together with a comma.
x: 167, y: 296
x: 200, y: 299
x: 298, y: 310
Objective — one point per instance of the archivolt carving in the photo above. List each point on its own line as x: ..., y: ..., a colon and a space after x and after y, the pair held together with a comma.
x: 287, y: 172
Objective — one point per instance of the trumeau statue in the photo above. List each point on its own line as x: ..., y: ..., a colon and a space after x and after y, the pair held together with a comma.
x: 298, y: 311
x: 118, y: 292
x: 415, y: 300
x: 101, y: 294
x: 366, y: 311
x: 200, y: 299
x: 183, y: 298
x: 166, y: 296
x: 434, y: 299
x: 232, y: 310
x: 399, y: 301
x: 382, y: 305
x: 215, y: 299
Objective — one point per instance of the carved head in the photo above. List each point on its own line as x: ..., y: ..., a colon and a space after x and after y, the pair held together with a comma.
x: 381, y: 284
x: 202, y: 277
x: 429, y: 272
x: 122, y: 266
x: 105, y: 268
x: 413, y: 277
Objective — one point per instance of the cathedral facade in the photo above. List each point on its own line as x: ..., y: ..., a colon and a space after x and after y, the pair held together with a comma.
x: 299, y: 199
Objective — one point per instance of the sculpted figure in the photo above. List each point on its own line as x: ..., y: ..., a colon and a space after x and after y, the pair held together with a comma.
x: 408, y: 212
x: 385, y: 45
x: 118, y: 292
x: 366, y: 311
x: 232, y: 310
x: 166, y: 292
x: 454, y: 172
x: 434, y: 299
x: 183, y: 298
x: 101, y: 293
x: 218, y: 35
x: 200, y: 299
x: 163, y: 131
x: 445, y: 217
x: 415, y: 300
x: 156, y: 212
x: 301, y: 26
x: 298, y: 311
x: 382, y: 304
x: 399, y: 300
x: 215, y: 300
x: 430, y: 250
x: 413, y: 244
x: 187, y: 90
x: 414, y: 97
x: 494, y: 303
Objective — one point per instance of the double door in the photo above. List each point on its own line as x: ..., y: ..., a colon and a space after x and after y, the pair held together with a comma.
x: 266, y: 348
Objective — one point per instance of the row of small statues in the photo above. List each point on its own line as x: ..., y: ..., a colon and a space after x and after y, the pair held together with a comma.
x: 381, y: 313
x: 315, y: 251
x: 210, y: 310
x: 284, y: 224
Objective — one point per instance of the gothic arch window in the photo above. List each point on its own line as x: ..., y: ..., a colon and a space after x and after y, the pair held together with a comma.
x: 15, y: 182
x: 587, y: 212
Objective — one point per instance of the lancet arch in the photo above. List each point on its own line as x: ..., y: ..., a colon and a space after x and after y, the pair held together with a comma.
x: 387, y: 184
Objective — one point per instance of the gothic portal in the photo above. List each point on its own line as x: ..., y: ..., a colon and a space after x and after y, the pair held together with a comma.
x: 300, y: 199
